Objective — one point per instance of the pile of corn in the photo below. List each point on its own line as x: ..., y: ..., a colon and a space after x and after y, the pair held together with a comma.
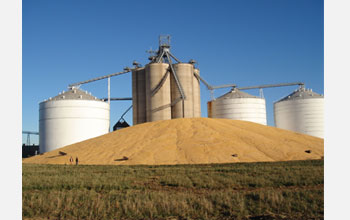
x: 189, y: 141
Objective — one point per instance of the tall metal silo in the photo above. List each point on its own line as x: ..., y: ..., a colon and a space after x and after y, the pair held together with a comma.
x: 196, y: 96
x: 139, y: 95
x: 239, y: 105
x: 182, y: 108
x: 158, y: 99
x: 300, y: 111
x: 71, y: 117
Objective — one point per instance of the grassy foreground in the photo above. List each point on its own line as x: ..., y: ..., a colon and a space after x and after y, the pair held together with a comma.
x: 279, y: 190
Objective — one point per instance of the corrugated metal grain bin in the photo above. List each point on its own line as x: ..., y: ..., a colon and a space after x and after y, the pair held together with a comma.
x: 239, y: 105
x: 301, y: 111
x: 71, y: 117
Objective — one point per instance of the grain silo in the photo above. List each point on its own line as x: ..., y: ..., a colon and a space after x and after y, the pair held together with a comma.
x: 158, y: 98
x: 196, y: 95
x: 71, y: 117
x: 301, y: 111
x: 238, y: 105
x: 164, y: 89
x: 182, y: 109
x: 139, y: 95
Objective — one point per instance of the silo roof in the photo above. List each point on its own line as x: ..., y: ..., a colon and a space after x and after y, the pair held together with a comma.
x: 301, y: 93
x: 235, y: 93
x: 74, y: 94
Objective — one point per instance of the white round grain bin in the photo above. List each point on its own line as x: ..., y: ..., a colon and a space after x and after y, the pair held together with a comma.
x: 71, y: 117
x: 239, y: 105
x: 301, y: 111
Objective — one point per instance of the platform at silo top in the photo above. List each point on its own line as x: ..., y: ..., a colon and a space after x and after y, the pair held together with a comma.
x: 189, y: 141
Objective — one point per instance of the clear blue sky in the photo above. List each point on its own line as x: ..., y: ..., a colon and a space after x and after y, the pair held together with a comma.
x: 247, y: 42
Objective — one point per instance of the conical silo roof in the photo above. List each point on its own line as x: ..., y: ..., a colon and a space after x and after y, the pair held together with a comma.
x: 74, y: 94
x: 301, y: 93
x: 236, y: 93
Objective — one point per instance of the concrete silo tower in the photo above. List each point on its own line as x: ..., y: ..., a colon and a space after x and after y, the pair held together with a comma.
x: 165, y: 88
x: 139, y: 95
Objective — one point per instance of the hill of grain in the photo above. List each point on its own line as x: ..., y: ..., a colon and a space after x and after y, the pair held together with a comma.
x: 189, y: 141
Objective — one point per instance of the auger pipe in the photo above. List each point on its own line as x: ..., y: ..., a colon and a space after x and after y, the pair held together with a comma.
x: 30, y: 132
x: 224, y: 86
x: 176, y: 78
x: 117, y: 99
x: 99, y: 78
x: 272, y: 85
x: 177, y: 60
x: 205, y: 82
x: 159, y: 58
x: 125, y: 112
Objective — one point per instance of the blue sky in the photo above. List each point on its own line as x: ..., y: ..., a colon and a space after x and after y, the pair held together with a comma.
x: 248, y: 42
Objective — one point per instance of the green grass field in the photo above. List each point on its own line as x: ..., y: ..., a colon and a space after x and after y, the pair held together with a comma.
x: 280, y: 190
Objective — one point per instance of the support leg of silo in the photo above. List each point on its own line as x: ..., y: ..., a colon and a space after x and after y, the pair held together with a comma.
x: 28, y: 139
x: 261, y: 93
x: 109, y: 103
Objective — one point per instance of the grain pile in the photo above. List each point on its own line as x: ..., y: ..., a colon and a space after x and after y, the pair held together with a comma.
x: 189, y: 141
